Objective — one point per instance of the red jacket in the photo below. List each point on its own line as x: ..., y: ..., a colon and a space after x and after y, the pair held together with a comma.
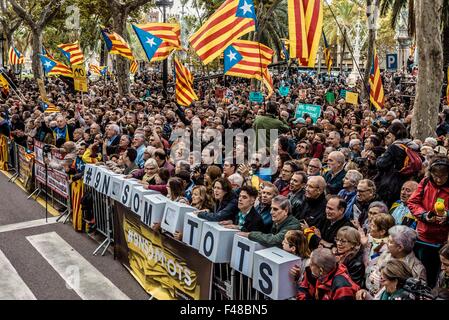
x: 429, y: 232
x: 337, y: 285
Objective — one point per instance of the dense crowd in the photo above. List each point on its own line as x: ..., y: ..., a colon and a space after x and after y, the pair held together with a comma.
x: 353, y: 195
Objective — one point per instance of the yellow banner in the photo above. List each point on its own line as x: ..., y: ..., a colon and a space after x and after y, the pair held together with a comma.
x: 159, y: 267
x: 3, y: 153
x: 76, y: 189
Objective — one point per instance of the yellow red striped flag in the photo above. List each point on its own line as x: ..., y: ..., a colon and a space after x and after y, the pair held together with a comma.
x: 133, y: 67
x: 158, y: 39
x: 247, y: 59
x: 185, y: 94
x: 116, y: 44
x: 305, y: 28
x: 297, y: 29
x: 268, y: 82
x: 15, y: 57
x: 376, y: 94
x: 233, y: 19
x: 73, y: 53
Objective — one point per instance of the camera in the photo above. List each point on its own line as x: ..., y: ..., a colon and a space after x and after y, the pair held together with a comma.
x: 418, y: 289
x: 46, y: 149
x: 360, y: 161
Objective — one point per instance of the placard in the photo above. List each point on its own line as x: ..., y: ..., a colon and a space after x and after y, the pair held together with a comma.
x: 128, y: 184
x: 137, y: 194
x: 193, y: 227
x: 216, y: 242
x: 173, y: 219
x: 256, y: 96
x: 89, y: 174
x: 242, y: 257
x: 271, y: 273
x: 284, y: 91
x: 115, y: 191
x: 314, y: 111
x: 152, y: 209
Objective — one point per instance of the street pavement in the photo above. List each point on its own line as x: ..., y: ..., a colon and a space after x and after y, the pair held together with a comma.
x: 42, y: 260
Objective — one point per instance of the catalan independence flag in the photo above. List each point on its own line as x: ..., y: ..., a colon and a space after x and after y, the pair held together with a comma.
x: 247, y: 59
x: 72, y: 52
x: 53, y: 67
x: 376, y: 94
x: 268, y: 82
x: 50, y: 107
x: 100, y: 70
x: 133, y: 67
x: 232, y: 20
x: 305, y: 28
x: 116, y: 44
x: 4, y: 85
x: 158, y: 40
x: 15, y: 57
x: 185, y: 94
x: 327, y: 54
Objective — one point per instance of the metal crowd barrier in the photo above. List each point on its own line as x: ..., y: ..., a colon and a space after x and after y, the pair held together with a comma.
x: 13, y: 160
x: 102, y: 211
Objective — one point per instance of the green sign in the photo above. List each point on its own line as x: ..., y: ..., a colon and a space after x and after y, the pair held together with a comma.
x: 330, y: 97
x: 283, y: 91
x: 313, y: 111
x: 256, y: 96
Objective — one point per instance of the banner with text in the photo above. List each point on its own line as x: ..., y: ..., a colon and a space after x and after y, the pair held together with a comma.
x: 165, y: 268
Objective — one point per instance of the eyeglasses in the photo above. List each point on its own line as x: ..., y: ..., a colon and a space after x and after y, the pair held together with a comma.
x: 342, y: 241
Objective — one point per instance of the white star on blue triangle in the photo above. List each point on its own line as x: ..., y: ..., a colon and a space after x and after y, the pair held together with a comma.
x: 47, y: 64
x: 231, y: 58
x: 149, y: 42
x: 245, y: 9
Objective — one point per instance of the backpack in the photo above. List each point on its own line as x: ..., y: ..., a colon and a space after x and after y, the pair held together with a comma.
x: 412, y: 161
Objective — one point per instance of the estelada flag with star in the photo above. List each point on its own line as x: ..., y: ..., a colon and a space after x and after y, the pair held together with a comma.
x: 247, y: 59
x: 232, y: 20
x: 158, y: 40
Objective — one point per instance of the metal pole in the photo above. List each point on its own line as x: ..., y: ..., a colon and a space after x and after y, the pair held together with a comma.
x: 164, y: 64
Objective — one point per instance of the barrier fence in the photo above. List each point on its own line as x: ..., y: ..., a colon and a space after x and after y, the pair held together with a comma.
x: 211, y: 262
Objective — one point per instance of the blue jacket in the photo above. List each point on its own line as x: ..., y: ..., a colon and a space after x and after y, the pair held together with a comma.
x: 350, y: 198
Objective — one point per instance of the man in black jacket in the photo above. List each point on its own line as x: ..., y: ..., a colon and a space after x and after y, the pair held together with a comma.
x: 247, y: 220
x: 314, y: 206
x: 335, y: 219
x: 297, y: 190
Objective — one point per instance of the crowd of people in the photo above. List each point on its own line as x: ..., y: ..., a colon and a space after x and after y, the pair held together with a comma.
x: 362, y: 203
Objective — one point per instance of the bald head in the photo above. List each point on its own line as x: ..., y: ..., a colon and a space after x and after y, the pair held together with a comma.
x: 407, y: 190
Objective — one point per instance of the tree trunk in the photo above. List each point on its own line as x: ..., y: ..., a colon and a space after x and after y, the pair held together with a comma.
x: 37, y: 49
x: 371, y: 45
x: 343, y: 49
x: 430, y: 77
x: 122, y: 67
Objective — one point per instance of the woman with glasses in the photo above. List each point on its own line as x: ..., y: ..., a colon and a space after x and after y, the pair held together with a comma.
x: 432, y: 224
x: 151, y: 169
x: 349, y: 252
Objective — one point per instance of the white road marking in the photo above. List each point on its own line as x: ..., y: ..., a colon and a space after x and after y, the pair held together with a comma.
x: 12, y: 287
x: 79, y: 274
x: 27, y: 224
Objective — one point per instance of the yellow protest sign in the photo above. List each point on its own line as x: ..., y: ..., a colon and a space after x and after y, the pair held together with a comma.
x: 352, y: 97
x: 80, y: 77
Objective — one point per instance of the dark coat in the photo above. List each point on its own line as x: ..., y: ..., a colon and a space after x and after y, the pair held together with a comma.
x: 297, y: 199
x: 389, y: 181
x: 224, y: 210
x: 253, y: 222
x: 334, y: 184
x: 328, y: 232
x: 113, y: 147
x: 312, y: 210
x: 356, y: 267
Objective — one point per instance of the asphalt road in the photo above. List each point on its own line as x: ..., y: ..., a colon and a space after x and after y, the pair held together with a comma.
x: 50, y: 261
